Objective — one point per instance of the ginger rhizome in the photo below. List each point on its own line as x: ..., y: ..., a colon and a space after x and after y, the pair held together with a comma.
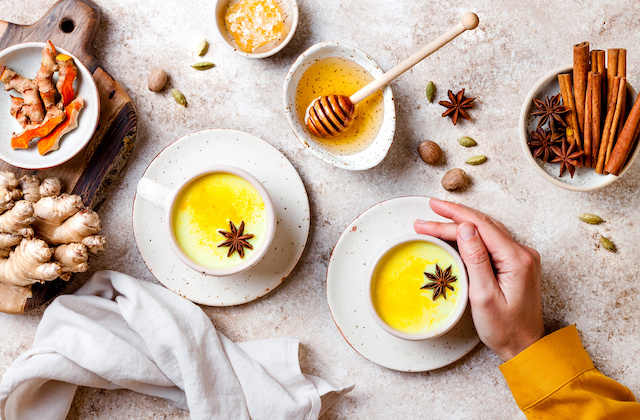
x: 44, y: 234
x: 38, y: 111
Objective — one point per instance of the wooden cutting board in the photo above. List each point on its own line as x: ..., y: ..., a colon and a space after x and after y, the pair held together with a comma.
x: 72, y: 25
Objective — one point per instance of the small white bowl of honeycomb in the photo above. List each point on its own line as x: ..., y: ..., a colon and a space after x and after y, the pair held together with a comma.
x: 256, y: 28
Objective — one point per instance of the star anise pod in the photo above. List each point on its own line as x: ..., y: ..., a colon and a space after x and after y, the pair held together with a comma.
x: 440, y: 282
x: 550, y: 110
x: 541, y: 142
x: 568, y: 157
x: 236, y: 240
x: 457, y: 106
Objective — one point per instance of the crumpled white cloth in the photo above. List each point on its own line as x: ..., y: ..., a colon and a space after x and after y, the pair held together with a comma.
x: 120, y: 332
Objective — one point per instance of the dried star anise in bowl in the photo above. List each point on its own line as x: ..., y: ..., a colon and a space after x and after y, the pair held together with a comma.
x: 568, y: 157
x: 541, y: 143
x: 550, y: 111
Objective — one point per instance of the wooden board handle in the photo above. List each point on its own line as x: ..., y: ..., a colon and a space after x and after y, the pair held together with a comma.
x: 76, y: 25
x: 469, y: 21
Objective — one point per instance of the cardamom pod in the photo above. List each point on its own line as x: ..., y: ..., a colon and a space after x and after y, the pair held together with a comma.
x: 467, y: 141
x: 592, y: 219
x: 205, y: 65
x: 203, y: 47
x: 179, y: 97
x: 607, y: 244
x: 477, y: 160
x: 431, y: 91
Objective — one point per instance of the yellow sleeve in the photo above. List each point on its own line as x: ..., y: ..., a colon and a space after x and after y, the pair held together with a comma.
x: 555, y: 379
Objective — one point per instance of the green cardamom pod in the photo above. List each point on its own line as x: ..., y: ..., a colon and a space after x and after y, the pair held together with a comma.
x: 477, y: 160
x: 607, y: 244
x: 467, y: 141
x: 179, y: 97
x: 203, y: 47
x: 592, y: 219
x: 431, y: 91
x: 205, y: 65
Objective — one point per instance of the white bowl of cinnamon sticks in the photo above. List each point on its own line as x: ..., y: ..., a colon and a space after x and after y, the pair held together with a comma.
x: 579, y: 124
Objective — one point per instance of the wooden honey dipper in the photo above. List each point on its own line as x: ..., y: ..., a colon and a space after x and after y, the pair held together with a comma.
x: 328, y: 116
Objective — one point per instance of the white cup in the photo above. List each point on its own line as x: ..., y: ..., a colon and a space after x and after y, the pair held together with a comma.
x: 462, y: 283
x: 164, y: 197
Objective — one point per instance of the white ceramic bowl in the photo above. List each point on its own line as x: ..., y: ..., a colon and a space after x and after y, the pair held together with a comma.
x: 461, y: 283
x: 585, y: 179
x: 378, y: 149
x: 25, y: 59
x: 290, y: 13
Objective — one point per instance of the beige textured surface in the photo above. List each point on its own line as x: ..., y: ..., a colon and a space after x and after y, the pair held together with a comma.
x: 516, y: 43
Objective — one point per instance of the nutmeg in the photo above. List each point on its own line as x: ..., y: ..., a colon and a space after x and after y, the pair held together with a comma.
x: 454, y: 179
x: 157, y: 79
x: 430, y: 152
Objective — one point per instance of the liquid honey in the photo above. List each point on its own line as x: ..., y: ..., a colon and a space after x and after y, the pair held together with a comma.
x: 336, y: 75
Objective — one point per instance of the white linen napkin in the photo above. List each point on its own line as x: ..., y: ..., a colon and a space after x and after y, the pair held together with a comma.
x: 120, y: 332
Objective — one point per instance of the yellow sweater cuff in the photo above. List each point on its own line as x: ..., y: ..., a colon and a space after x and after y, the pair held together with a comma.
x: 546, y: 366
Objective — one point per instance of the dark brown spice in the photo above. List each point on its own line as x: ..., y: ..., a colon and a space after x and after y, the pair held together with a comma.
x: 568, y: 157
x: 440, y: 282
x: 457, y: 106
x: 550, y: 110
x: 541, y: 142
x: 236, y: 240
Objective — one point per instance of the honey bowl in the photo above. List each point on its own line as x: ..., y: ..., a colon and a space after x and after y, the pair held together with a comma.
x: 417, y: 288
x: 338, y: 68
x: 237, y: 27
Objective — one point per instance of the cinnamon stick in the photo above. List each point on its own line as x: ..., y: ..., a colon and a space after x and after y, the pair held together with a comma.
x: 580, y: 74
x: 601, y: 68
x: 596, y: 114
x: 617, y: 117
x: 622, y: 72
x: 594, y: 60
x: 573, y: 135
x: 604, y: 144
x: 625, y: 141
x: 612, y: 70
x: 587, y: 124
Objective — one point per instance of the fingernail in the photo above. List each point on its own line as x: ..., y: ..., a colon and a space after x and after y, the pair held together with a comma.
x: 435, y: 199
x: 466, y: 231
x: 420, y: 221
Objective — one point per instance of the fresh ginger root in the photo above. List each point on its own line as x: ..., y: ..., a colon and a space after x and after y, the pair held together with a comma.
x: 32, y: 107
x: 65, y: 232
x: 8, y: 190
x: 29, y: 263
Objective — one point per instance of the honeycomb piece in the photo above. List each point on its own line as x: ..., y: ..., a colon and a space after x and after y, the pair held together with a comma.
x: 254, y: 23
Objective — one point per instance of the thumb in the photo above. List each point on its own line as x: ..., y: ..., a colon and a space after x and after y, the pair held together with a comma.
x: 482, y: 281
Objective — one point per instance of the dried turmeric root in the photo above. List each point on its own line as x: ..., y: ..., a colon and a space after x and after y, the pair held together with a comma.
x: 44, y: 77
x: 32, y: 107
x: 51, y: 141
x: 17, y: 112
x: 53, y: 119
x: 68, y: 72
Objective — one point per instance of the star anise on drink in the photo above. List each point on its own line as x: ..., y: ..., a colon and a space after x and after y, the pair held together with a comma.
x: 568, y: 157
x: 550, y: 110
x: 541, y: 142
x: 236, y: 239
x: 457, y: 106
x: 440, y: 282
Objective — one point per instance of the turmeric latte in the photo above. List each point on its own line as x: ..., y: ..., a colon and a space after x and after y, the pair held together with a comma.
x: 206, y: 208
x: 398, y: 287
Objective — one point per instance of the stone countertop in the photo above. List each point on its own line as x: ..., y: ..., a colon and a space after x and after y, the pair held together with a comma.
x: 515, y: 44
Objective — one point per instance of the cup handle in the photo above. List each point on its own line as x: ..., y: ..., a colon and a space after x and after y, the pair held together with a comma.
x: 154, y: 192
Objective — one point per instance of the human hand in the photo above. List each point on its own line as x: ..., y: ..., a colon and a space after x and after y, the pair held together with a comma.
x: 504, y: 277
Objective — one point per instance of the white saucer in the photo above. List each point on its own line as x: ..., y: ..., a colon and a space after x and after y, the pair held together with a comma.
x: 357, y: 248
x: 205, y: 148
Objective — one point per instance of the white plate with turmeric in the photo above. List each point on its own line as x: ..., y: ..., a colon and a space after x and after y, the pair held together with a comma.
x: 202, y: 149
x: 34, y: 121
x: 346, y: 280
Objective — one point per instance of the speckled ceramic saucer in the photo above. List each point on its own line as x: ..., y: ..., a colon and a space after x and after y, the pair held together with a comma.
x: 205, y: 148
x: 355, y: 249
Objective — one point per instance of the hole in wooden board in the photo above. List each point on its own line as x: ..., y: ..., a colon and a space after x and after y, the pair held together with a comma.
x: 67, y: 25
